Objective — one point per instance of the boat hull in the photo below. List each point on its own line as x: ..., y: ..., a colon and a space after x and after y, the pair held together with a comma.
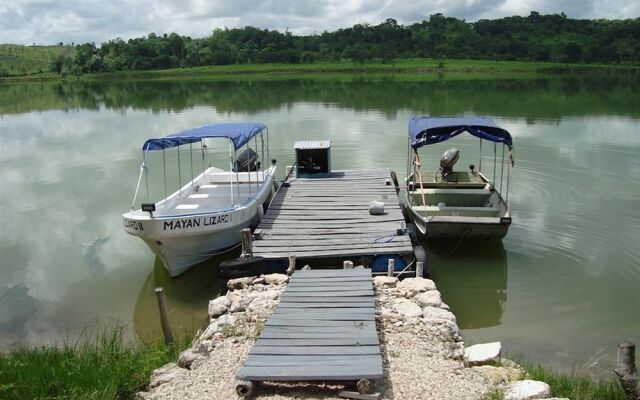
x: 186, y: 240
x: 456, y: 227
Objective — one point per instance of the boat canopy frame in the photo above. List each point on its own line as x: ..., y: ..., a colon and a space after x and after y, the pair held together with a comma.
x: 238, y: 135
x: 425, y: 130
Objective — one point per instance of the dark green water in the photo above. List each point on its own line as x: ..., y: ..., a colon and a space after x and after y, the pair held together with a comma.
x: 562, y: 288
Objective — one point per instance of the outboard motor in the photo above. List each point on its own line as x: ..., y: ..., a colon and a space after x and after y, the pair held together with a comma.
x: 246, y: 161
x: 448, y: 160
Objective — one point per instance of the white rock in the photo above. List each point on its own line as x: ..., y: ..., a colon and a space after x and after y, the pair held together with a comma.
x: 526, y: 390
x: 409, y: 287
x: 482, y: 354
x: 407, y: 308
x: 436, y: 314
x: 431, y: 298
x: 267, y: 294
x: 239, y: 305
x: 385, y: 281
x: 260, y: 305
x: 218, y: 306
x: 166, y: 374
x: 259, y: 280
x: 187, y: 357
x: 217, y: 325
x: 276, y: 279
x: 240, y: 283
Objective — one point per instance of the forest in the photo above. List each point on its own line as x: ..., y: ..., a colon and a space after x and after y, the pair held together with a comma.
x: 536, y: 37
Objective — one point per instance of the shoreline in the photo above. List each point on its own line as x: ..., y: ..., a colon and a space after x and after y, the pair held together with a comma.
x: 400, y: 67
x: 423, y: 350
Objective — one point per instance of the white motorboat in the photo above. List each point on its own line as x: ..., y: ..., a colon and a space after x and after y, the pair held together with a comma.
x: 457, y: 204
x: 205, y: 216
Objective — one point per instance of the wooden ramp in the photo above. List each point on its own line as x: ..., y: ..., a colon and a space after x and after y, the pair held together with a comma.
x: 329, y: 217
x: 322, y: 329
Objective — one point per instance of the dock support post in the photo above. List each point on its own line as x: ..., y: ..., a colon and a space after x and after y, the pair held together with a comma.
x: 347, y: 264
x: 292, y: 265
x: 627, y: 372
x: 164, y: 315
x: 247, y: 250
x: 391, y: 267
x: 419, y: 269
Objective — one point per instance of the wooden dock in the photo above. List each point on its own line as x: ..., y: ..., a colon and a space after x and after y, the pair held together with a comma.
x: 322, y: 329
x: 329, y: 218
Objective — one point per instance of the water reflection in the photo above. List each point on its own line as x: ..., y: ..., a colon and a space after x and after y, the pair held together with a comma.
x: 187, y: 297
x: 473, y: 281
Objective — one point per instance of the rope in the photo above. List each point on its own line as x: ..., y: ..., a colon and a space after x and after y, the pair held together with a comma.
x: 389, y: 238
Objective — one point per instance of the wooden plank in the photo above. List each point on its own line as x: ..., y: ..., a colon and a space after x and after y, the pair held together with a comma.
x: 322, y: 299
x: 382, y: 228
x: 320, y: 329
x: 283, y: 336
x: 323, y: 305
x: 314, y: 289
x: 319, y: 323
x: 302, y: 283
x: 364, y: 341
x: 326, y: 311
x: 323, y: 317
x: 266, y: 248
x: 311, y: 373
x: 314, y: 350
x: 340, y: 253
x: 266, y: 360
x: 324, y: 273
x: 310, y: 244
x: 364, y: 236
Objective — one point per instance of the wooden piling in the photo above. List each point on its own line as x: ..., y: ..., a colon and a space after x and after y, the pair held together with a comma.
x: 347, y: 264
x: 419, y: 269
x: 627, y: 372
x: 164, y: 315
x: 247, y: 250
x: 391, y: 266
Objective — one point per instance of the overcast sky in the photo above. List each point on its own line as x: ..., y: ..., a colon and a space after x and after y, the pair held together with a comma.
x: 52, y: 21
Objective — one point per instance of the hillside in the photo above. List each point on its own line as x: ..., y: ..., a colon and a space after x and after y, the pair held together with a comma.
x: 26, y: 60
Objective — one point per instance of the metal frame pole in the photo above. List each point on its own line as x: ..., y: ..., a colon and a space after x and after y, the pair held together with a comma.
x: 231, y: 164
x: 495, y: 160
x: 164, y: 172
x: 191, y: 157
x: 179, y: 173
x: 480, y: 163
x: 502, y: 168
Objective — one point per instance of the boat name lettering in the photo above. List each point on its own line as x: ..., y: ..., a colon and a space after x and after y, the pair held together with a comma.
x: 196, y: 222
x: 135, y: 225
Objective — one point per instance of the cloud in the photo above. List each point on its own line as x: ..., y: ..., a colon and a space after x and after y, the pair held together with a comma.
x: 47, y: 22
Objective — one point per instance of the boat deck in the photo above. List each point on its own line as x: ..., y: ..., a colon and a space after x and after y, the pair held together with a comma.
x: 329, y: 217
x: 323, y: 329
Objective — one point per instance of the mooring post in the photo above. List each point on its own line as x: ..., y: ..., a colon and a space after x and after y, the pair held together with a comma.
x: 419, y: 269
x: 347, y: 264
x: 391, y: 267
x: 292, y: 264
x: 247, y: 251
x: 164, y: 315
x: 627, y: 372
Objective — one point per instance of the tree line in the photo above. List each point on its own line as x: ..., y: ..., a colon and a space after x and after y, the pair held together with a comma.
x: 536, y: 37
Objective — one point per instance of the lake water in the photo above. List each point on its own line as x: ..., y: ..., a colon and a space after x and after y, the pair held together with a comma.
x: 562, y: 288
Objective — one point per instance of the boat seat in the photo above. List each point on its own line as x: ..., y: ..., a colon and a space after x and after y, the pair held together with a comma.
x: 458, y: 211
x: 452, y: 197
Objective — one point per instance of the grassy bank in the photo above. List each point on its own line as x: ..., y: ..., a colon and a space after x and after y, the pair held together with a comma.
x: 101, y: 368
x: 398, y: 68
x: 30, y: 60
x: 574, y: 385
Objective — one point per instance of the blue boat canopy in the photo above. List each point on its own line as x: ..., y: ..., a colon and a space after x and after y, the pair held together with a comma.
x: 429, y: 130
x: 238, y: 133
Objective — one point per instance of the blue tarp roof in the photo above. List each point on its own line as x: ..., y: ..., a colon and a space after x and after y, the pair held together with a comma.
x: 429, y: 130
x: 238, y: 133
